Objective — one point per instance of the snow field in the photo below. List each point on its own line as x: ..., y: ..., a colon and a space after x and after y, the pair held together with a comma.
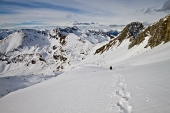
x: 149, y: 86
x: 99, y: 90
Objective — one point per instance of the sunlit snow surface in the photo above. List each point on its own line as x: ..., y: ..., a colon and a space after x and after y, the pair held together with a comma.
x: 138, y: 83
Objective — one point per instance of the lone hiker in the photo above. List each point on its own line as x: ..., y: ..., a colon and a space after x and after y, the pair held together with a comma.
x: 110, y: 67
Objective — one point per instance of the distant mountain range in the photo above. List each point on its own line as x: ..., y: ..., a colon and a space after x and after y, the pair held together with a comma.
x: 59, y: 48
x: 39, y: 48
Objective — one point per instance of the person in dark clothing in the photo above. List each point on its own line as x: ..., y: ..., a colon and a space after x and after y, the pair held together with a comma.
x: 110, y: 67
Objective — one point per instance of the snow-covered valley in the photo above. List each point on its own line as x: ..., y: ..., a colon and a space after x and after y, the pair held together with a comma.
x: 80, y: 72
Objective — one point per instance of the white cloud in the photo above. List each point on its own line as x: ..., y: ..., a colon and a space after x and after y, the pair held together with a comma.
x: 103, y: 11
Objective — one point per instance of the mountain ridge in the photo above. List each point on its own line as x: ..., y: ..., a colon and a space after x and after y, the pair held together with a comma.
x: 155, y: 34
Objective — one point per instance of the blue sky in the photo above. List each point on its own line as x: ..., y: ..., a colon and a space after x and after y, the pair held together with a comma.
x: 14, y: 13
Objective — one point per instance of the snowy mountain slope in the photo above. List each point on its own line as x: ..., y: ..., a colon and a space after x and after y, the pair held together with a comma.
x: 149, y: 86
x: 9, y: 43
x: 73, y: 92
x: 29, y: 52
x: 21, y: 49
x: 131, y: 85
x: 25, y: 38
x: 138, y: 81
x: 58, y: 46
x: 74, y: 44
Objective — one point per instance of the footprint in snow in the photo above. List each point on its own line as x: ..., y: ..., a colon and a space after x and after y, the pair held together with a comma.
x: 123, y: 103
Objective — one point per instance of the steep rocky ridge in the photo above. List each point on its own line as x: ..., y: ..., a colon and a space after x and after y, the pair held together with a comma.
x: 158, y: 32
x: 130, y: 31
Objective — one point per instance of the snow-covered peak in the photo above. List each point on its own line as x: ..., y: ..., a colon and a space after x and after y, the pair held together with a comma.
x: 11, y: 42
x: 23, y: 38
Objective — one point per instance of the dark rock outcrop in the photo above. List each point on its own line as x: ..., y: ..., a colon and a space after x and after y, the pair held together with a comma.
x: 158, y: 33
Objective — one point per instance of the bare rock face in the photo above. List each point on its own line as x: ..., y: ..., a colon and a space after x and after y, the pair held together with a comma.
x: 135, y: 28
x: 159, y: 33
x: 130, y: 31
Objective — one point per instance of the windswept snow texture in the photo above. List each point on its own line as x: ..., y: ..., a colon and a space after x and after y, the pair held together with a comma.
x: 137, y: 83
